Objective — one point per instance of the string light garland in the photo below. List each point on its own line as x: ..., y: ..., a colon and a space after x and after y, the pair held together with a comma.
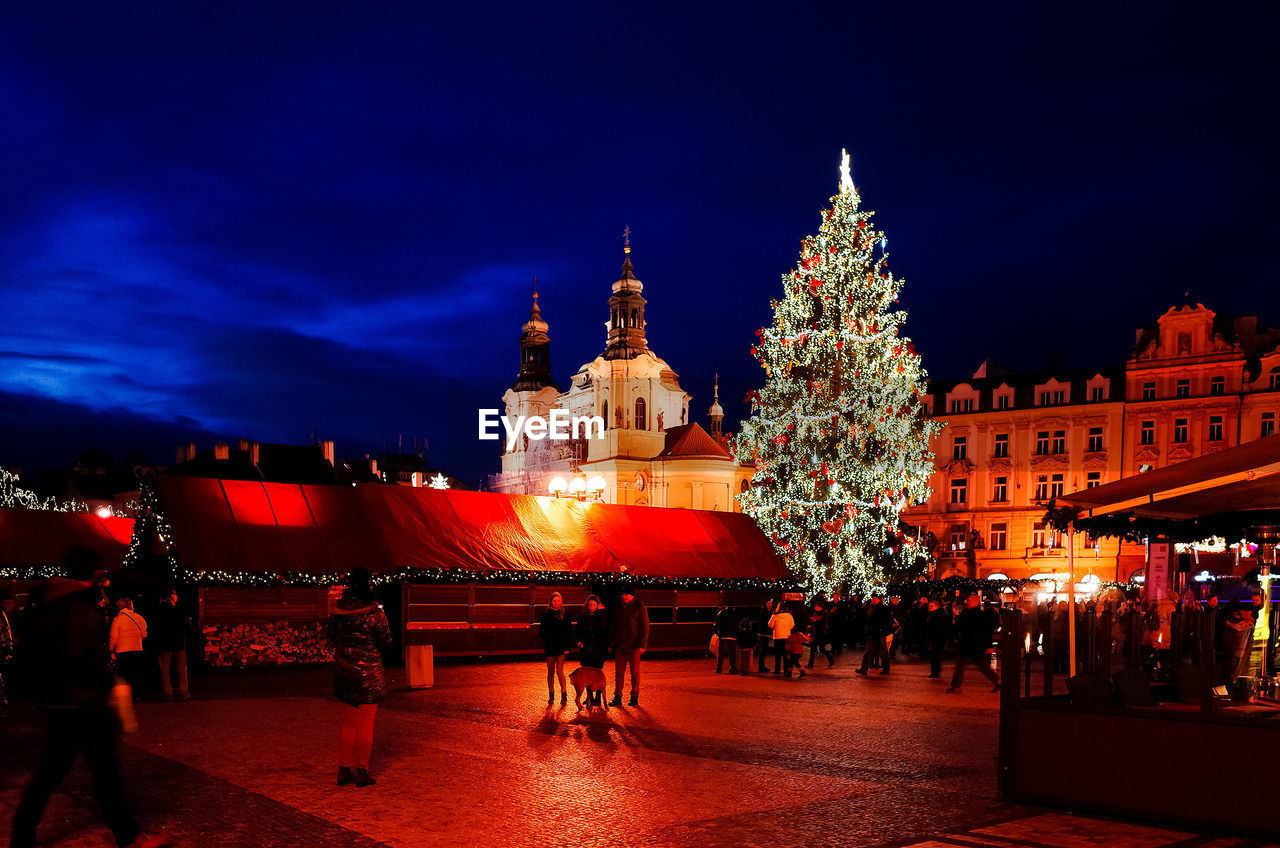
x: 838, y: 433
x: 150, y: 522
x: 13, y: 495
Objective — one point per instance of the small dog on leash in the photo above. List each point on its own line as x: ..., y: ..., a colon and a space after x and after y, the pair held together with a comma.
x: 591, y: 680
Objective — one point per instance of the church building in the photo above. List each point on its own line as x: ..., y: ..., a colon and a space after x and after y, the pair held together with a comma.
x: 652, y: 453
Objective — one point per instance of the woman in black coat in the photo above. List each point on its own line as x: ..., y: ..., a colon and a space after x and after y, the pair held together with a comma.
x: 557, y: 640
x: 359, y: 632
x: 593, y: 633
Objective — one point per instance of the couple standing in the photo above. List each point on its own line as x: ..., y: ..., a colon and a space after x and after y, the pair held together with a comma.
x: 627, y: 635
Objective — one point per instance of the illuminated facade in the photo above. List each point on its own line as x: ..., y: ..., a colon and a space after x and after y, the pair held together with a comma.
x: 651, y: 454
x: 1195, y: 383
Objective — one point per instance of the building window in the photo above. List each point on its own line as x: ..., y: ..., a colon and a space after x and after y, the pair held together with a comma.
x: 1001, y: 445
x: 1042, y: 487
x: 1097, y: 393
x: 1002, y: 402
x: 1044, y: 398
x: 1268, y: 423
x: 1059, y: 396
x: 1148, y: 434
x: 1182, y: 389
x: 1275, y: 378
x: 1179, y: 430
x: 1092, y: 478
x: 1042, y: 443
x: 605, y: 415
x: 1000, y: 493
x: 1056, y: 486
x: 959, y: 536
x: 642, y: 420
x: 1095, y: 439
x: 1037, y: 535
x: 1215, y: 428
x: 960, y: 447
x: 998, y: 538
x: 1218, y: 386
x: 1148, y: 391
x: 960, y: 491
x: 1059, y: 441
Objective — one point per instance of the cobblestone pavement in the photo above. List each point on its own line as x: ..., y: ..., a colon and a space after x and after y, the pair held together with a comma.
x: 479, y: 759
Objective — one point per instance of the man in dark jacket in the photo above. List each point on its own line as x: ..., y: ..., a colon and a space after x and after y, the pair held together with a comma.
x: 879, y: 626
x: 937, y: 629
x: 72, y: 684
x: 764, y: 635
x: 974, y: 631
x: 628, y: 636
x: 169, y: 628
x: 727, y: 638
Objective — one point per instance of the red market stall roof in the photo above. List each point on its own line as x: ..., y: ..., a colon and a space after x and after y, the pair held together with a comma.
x: 1242, y: 479
x: 248, y: 526
x: 31, y: 537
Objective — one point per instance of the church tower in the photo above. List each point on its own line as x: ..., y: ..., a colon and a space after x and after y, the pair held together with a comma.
x: 626, y: 338
x: 535, y: 352
x: 716, y: 414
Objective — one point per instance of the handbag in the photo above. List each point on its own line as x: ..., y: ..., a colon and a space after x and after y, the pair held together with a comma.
x: 715, y: 645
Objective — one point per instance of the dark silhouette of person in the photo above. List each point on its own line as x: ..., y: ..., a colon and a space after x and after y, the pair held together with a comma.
x: 974, y: 631
x: 73, y: 683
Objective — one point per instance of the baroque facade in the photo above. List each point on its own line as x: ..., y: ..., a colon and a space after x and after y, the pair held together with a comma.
x: 651, y: 453
x: 1195, y: 383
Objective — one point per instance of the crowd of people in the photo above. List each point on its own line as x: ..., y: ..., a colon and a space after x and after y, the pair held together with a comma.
x: 783, y: 631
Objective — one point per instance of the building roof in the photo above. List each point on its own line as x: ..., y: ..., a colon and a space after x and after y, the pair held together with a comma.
x: 689, y: 441
x: 30, y: 537
x: 235, y: 525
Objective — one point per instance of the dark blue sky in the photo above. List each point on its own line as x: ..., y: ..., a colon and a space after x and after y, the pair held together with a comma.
x: 268, y: 219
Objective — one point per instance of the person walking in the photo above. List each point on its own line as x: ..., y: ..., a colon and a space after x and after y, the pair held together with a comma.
x: 879, y: 628
x: 628, y: 637
x: 557, y: 640
x: 747, y: 629
x: 8, y: 646
x: 820, y: 629
x: 169, y: 637
x: 359, y: 632
x: 974, y: 632
x: 727, y: 635
x: 763, y: 635
x: 781, y: 623
x: 128, y: 630
x: 72, y: 683
x: 937, y: 629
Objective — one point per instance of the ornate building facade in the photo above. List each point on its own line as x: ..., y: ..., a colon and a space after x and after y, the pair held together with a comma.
x: 1195, y: 383
x: 651, y: 453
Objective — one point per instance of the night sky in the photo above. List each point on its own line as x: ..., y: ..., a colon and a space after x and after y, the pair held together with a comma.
x: 274, y: 220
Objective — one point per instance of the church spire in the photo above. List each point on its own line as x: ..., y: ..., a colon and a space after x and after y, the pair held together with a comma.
x: 716, y: 412
x: 535, y: 351
x: 626, y: 338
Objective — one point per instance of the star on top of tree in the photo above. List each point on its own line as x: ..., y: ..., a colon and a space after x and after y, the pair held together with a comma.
x: 439, y: 482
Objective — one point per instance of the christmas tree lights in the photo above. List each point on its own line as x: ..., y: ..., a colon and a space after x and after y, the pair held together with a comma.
x: 839, y: 433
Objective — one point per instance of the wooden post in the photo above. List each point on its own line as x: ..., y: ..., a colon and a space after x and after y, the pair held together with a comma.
x: 1208, y: 664
x: 1104, y: 652
x: 1006, y: 754
x: 1050, y: 654
x: 1071, y: 598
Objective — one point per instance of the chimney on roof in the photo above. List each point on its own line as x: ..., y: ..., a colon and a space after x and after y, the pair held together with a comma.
x: 373, y: 467
x: 253, y: 452
x: 180, y: 455
x: 243, y: 445
x: 191, y: 451
x: 326, y: 447
x: 222, y: 451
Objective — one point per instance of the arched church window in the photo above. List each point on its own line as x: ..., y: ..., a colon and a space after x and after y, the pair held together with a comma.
x: 605, y: 415
x: 642, y: 422
x: 744, y: 486
x: 633, y: 317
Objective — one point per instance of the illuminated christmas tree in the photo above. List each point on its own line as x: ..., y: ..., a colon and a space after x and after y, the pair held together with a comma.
x: 839, y: 434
